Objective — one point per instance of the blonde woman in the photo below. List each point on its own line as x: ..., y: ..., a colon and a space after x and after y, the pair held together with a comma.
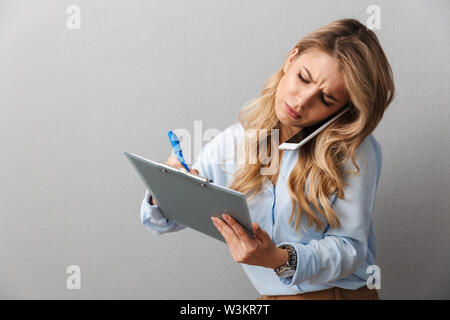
x: 312, y: 216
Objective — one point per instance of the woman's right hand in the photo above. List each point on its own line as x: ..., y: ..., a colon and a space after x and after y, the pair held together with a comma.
x: 174, y: 162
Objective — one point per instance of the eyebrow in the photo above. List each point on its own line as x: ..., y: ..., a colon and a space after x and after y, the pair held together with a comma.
x: 326, y: 95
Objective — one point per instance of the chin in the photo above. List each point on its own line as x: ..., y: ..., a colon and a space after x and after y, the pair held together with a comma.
x: 288, y: 121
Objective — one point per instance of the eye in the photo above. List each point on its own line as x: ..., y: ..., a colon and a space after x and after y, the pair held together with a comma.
x: 323, y: 100
x: 325, y: 103
x: 301, y: 78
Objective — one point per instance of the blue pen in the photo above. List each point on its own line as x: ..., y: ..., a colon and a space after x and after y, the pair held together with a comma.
x: 177, y: 148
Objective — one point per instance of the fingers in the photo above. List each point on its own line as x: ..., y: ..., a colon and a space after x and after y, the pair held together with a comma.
x: 174, y: 162
x: 237, y: 228
x: 224, y: 229
x: 243, y: 248
x: 231, y: 229
x: 260, y: 233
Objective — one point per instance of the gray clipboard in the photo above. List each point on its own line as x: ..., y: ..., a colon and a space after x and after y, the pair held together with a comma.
x: 189, y: 199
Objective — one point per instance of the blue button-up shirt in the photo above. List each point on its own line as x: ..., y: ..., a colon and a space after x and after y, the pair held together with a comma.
x: 329, y: 258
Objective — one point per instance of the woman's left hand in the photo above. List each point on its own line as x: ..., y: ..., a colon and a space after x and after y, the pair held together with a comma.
x: 259, y: 251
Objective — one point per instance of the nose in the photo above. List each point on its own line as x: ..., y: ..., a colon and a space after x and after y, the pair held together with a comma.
x: 304, y: 99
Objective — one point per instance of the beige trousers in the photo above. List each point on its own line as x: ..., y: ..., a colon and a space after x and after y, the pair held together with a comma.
x: 335, y: 293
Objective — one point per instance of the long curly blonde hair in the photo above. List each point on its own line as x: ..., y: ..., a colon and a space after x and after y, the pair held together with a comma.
x: 369, y: 81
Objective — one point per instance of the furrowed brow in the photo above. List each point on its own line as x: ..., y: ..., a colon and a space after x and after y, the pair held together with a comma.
x: 329, y: 96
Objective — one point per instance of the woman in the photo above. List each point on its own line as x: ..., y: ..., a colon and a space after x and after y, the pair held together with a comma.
x: 312, y: 217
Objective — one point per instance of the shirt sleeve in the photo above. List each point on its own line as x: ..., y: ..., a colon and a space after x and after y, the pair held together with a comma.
x: 342, y: 249
x: 153, y: 220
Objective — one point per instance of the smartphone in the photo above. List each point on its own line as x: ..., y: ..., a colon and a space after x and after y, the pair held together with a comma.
x: 307, y: 133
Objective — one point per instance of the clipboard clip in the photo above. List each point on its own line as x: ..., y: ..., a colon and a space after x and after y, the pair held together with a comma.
x: 201, y: 179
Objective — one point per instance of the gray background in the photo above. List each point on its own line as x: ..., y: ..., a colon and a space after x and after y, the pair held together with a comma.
x: 73, y: 101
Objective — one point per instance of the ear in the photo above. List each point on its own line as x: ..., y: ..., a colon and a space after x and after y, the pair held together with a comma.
x: 289, y: 59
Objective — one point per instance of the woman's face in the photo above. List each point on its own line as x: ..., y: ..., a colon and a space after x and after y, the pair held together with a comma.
x: 313, y: 87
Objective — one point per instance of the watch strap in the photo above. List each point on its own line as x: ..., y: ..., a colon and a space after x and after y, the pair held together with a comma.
x: 291, y: 264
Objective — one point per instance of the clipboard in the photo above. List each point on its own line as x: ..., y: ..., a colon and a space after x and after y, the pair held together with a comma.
x: 191, y: 200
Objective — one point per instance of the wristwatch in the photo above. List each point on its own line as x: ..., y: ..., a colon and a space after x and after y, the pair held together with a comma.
x: 287, y: 269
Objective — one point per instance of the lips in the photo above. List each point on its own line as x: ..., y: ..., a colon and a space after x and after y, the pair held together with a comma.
x: 291, y: 111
